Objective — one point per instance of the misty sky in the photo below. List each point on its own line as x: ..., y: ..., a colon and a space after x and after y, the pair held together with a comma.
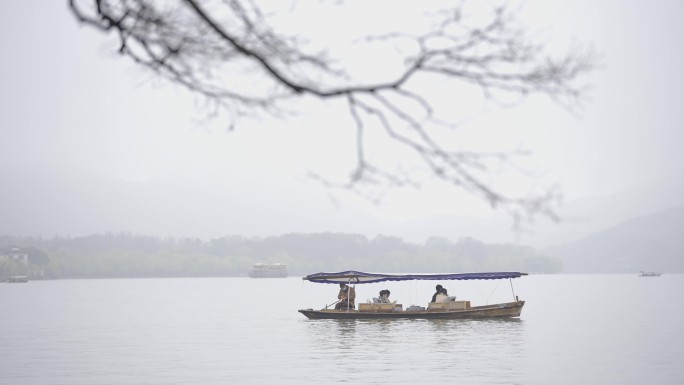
x: 91, y: 143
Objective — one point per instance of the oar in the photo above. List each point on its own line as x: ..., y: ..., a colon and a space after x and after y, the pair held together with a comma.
x: 326, y: 306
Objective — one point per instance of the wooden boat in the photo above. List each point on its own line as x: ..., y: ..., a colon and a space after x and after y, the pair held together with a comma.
x: 445, y: 310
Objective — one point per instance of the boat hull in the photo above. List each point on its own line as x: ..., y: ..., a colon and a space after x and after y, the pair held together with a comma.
x: 502, y: 310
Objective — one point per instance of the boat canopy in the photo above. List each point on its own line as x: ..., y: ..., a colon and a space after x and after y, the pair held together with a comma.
x: 360, y: 277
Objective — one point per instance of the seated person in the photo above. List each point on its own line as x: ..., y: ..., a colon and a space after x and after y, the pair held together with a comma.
x: 384, y: 296
x: 442, y: 296
x: 345, y: 297
x: 438, y: 289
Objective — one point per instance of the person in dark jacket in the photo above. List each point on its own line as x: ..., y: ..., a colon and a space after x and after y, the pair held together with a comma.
x: 438, y: 289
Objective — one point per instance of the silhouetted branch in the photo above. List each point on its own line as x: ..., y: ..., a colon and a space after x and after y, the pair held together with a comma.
x: 206, y: 46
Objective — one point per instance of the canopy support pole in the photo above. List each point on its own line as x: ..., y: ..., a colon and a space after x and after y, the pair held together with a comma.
x: 515, y: 297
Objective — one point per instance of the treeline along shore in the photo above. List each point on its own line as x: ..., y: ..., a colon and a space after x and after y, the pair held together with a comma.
x: 113, y: 255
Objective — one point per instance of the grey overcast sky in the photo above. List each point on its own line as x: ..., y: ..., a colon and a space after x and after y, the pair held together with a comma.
x: 91, y: 143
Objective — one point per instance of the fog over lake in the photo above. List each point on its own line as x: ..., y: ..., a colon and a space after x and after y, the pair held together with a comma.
x: 152, y: 153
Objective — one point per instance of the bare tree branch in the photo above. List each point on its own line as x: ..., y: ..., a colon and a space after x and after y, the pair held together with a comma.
x: 205, y: 46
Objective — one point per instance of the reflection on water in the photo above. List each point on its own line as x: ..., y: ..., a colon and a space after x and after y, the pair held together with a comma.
x: 414, y: 351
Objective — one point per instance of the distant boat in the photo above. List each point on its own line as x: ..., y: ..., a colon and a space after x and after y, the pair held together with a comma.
x: 649, y: 274
x: 447, y: 310
x: 17, y: 279
x: 266, y: 270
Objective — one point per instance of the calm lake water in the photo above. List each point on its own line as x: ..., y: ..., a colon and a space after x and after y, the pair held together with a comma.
x: 574, y: 329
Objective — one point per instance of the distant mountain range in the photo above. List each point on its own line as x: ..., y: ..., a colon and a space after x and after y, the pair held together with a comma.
x: 647, y: 243
x: 582, y: 217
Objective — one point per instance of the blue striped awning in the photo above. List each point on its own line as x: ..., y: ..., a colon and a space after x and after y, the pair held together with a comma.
x: 361, y: 277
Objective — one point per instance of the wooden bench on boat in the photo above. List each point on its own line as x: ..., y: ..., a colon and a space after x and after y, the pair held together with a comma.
x: 379, y: 307
x: 452, y: 305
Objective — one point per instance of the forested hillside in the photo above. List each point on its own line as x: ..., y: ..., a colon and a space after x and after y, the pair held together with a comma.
x: 129, y: 255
